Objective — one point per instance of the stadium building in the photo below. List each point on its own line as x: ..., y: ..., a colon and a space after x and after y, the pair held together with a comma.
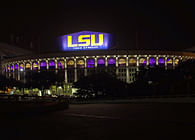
x: 86, y: 52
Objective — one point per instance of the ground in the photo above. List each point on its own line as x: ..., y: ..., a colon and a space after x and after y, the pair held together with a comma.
x: 117, y: 121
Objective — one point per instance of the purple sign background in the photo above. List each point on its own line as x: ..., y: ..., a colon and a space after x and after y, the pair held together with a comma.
x: 63, y: 41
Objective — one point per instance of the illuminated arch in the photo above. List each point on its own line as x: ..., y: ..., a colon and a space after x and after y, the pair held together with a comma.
x: 132, y: 61
x: 61, y: 64
x: 111, y: 61
x: 122, y: 62
x: 142, y: 61
x: 70, y: 63
x: 43, y: 65
x: 52, y: 64
x: 16, y: 67
x: 152, y: 61
x: 35, y: 65
x: 8, y: 68
x: 177, y: 60
x: 21, y: 67
x: 11, y: 67
x: 101, y: 62
x: 90, y: 63
x: 169, y: 61
x: 161, y: 61
x: 27, y: 66
x: 80, y: 63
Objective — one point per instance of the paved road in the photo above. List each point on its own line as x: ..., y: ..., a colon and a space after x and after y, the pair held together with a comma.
x: 157, y: 121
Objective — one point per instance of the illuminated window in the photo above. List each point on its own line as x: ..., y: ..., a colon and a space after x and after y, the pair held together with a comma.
x: 169, y: 61
x: 16, y: 67
x: 60, y: 64
x: 70, y: 63
x: 132, y: 61
x: 152, y: 61
x: 177, y: 61
x: 21, y: 67
x: 11, y: 67
x: 27, y: 66
x: 111, y: 61
x: 161, y: 61
x: 80, y: 63
x: 35, y: 65
x: 43, y: 65
x: 100, y: 62
x: 122, y: 62
x: 8, y: 68
x: 142, y: 61
x: 91, y: 63
x: 52, y: 64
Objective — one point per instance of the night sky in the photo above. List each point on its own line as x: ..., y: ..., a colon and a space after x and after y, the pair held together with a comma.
x: 159, y: 25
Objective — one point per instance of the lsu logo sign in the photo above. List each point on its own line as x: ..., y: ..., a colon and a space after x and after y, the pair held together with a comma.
x: 85, y: 40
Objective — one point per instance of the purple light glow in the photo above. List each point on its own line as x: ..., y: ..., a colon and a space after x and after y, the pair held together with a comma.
x: 161, y: 61
x: 111, y: 61
x: 16, y: 67
x: 101, y: 61
x: 142, y: 61
x: 52, y: 63
x: 169, y: 61
x: 43, y: 64
x: 21, y: 66
x: 91, y: 63
x: 11, y: 67
x: 60, y: 65
x: 152, y: 61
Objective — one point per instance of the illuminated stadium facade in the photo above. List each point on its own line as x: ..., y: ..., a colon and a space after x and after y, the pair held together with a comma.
x: 76, y: 64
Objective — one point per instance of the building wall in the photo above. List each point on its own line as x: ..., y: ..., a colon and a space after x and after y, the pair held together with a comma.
x: 75, y: 67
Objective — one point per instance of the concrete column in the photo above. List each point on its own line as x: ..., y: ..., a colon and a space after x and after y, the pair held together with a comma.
x: 75, y: 75
x: 127, y: 75
x: 147, y: 61
x: 173, y: 61
x: 85, y: 60
x: 106, y: 61
x: 47, y: 64
x: 75, y: 63
x: 117, y: 61
x: 85, y: 72
x: 157, y: 60
x: 31, y: 65
x: 39, y: 67
x: 95, y: 62
x: 56, y: 64
x: 127, y: 61
x: 65, y: 64
x: 66, y: 78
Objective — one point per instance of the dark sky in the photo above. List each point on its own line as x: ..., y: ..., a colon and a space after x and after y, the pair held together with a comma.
x: 159, y: 24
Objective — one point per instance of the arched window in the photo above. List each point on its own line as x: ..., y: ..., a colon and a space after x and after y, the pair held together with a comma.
x: 161, y: 61
x: 43, y: 65
x: 111, y: 61
x: 52, y: 64
x: 35, y: 65
x: 27, y: 66
x: 80, y: 63
x: 21, y: 67
x: 16, y: 67
x: 101, y: 62
x: 152, y: 61
x: 60, y: 64
x: 122, y: 62
x: 70, y: 63
x: 132, y: 61
x: 169, y: 61
x: 177, y: 61
x: 90, y: 63
x: 142, y: 61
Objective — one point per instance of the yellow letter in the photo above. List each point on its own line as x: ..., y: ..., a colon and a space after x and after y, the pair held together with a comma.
x: 70, y: 42
x: 87, y: 41
x: 100, y: 40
